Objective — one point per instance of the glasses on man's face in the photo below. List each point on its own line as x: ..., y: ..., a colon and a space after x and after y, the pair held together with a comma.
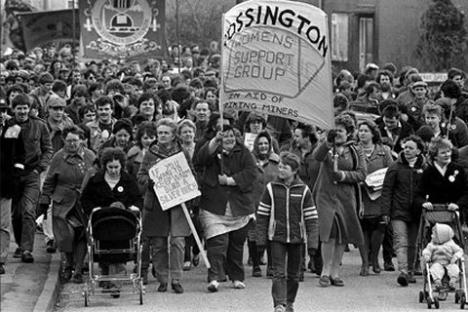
x: 57, y: 108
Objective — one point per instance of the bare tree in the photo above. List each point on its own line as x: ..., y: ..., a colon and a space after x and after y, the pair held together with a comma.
x: 199, y: 21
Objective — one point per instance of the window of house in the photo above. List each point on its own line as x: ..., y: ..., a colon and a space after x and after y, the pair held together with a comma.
x: 339, y: 37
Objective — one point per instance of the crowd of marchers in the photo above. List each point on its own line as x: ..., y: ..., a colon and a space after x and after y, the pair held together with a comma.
x: 76, y: 136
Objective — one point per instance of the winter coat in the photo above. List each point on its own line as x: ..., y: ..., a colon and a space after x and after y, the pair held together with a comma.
x: 458, y: 134
x: 11, y: 153
x: 37, y: 144
x: 97, y: 192
x: 287, y: 214
x: 96, y: 139
x: 438, y: 189
x: 134, y: 159
x: 461, y: 108
x: 62, y: 187
x: 442, y: 249
x: 414, y: 111
x: 380, y: 158
x: 339, y: 199
x: 267, y: 173
x: 463, y: 158
x: 399, y: 190
x: 309, y: 168
x: 238, y: 164
x: 157, y: 222
x: 404, y: 130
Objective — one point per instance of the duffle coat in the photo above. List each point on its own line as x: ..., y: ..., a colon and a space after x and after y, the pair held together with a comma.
x: 157, y: 222
x: 339, y: 199
x: 238, y: 164
x: 380, y: 158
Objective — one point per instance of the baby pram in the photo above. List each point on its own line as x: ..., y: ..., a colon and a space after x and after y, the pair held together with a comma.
x: 114, y: 237
x: 440, y: 214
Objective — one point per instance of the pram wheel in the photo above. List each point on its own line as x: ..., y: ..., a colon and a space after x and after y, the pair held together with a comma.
x: 421, y: 296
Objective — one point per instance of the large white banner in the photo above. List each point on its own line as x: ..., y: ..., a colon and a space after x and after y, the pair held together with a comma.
x: 276, y: 60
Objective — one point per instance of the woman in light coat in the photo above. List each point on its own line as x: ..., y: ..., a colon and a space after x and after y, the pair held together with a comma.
x: 337, y: 196
x: 62, y: 187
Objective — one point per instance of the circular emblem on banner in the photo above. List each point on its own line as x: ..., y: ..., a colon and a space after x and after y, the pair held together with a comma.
x: 121, y: 22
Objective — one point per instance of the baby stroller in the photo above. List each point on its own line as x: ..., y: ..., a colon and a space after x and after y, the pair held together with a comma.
x: 440, y: 214
x: 114, y: 237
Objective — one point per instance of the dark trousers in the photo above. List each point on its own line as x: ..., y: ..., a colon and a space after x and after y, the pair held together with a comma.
x: 190, y: 243
x: 227, y: 248
x: 284, y: 288
x: 24, y: 211
x: 387, y: 244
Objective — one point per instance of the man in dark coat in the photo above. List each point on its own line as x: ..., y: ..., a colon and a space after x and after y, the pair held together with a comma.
x: 37, y: 154
x: 392, y: 128
x: 11, y: 148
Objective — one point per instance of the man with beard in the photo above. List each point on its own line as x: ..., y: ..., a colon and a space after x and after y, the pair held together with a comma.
x: 101, y: 128
x: 37, y: 155
x: 385, y: 79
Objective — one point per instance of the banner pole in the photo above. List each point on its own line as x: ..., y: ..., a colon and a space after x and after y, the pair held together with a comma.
x: 73, y: 39
x: 195, y: 235
x: 221, y: 72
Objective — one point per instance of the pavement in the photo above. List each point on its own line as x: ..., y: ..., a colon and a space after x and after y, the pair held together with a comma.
x: 35, y: 287
x: 374, y: 293
x: 30, y: 287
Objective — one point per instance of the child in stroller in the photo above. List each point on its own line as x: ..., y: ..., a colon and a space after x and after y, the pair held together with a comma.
x: 442, y: 254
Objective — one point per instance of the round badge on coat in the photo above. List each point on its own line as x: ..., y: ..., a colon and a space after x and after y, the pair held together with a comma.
x: 120, y: 189
x: 452, y: 178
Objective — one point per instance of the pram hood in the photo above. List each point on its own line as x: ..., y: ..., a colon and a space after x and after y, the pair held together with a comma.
x: 443, y: 233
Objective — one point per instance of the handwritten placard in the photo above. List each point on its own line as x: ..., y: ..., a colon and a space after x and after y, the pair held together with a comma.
x: 249, y: 139
x: 174, y: 182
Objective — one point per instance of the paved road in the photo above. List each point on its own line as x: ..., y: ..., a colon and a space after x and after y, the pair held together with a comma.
x: 23, y: 283
x: 372, y: 293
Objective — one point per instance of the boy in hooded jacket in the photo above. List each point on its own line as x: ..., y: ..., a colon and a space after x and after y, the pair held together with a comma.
x: 442, y: 254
